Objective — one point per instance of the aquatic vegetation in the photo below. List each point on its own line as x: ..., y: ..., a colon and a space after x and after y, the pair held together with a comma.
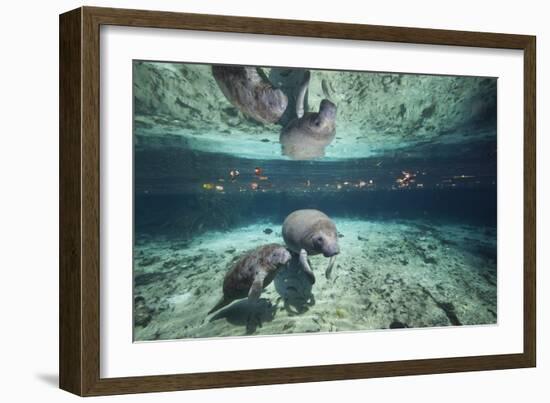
x: 340, y: 313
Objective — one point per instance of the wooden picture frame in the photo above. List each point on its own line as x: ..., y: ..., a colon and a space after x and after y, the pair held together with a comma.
x: 79, y: 346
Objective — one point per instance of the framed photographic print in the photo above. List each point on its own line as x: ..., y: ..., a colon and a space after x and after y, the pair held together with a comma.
x: 250, y: 201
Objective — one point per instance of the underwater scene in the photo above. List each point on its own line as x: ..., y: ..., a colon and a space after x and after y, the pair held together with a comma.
x: 274, y: 200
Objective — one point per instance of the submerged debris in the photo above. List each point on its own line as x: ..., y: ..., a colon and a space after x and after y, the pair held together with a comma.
x: 446, y: 307
x: 148, y: 261
x: 148, y: 278
x: 142, y: 313
x: 288, y: 326
x: 340, y: 313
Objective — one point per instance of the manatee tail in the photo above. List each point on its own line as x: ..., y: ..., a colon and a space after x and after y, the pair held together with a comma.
x: 224, y: 301
x: 328, y: 271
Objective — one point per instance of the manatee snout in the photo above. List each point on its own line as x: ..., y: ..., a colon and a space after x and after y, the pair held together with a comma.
x: 327, y: 245
x: 327, y: 110
x: 280, y: 256
x: 331, y: 250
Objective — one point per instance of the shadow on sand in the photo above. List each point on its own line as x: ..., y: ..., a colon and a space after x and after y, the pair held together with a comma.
x: 245, y: 313
x: 294, y: 287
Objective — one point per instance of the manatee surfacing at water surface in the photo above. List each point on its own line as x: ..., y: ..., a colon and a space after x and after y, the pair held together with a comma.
x: 249, y: 90
x: 306, y: 138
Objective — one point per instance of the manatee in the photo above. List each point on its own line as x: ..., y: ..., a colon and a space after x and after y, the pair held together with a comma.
x: 305, y: 138
x: 294, y: 83
x: 252, y: 273
x: 250, y: 91
x: 311, y: 232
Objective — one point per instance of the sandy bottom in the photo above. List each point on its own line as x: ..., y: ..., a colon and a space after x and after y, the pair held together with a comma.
x: 389, y: 274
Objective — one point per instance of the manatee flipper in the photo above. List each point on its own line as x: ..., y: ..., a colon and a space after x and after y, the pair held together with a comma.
x: 306, y: 266
x: 257, y: 286
x: 224, y: 301
x: 254, y: 317
x: 328, y: 271
x: 300, y: 107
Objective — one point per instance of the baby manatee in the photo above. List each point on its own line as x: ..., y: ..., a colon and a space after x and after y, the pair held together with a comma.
x: 305, y: 138
x: 311, y: 232
x: 252, y: 273
x: 250, y: 91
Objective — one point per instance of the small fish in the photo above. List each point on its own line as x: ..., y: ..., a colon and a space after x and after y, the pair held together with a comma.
x: 268, y: 231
